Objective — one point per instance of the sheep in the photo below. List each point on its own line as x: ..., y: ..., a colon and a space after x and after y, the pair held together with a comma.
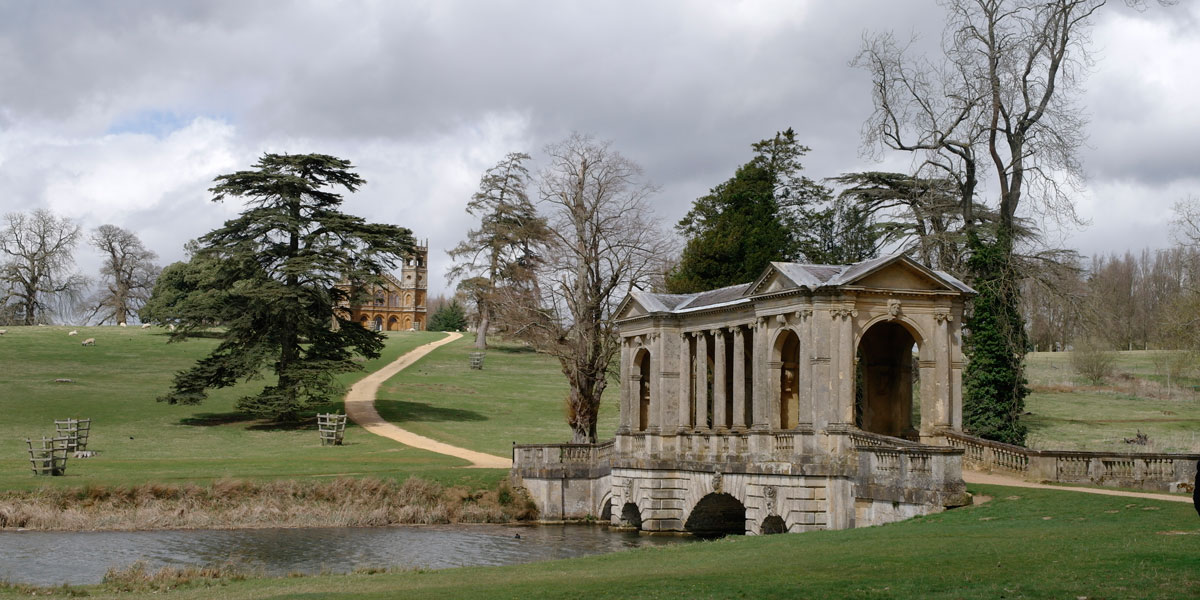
x: 73, y: 332
x: 171, y: 327
x: 3, y: 331
x: 122, y: 323
x: 145, y: 326
x: 89, y: 342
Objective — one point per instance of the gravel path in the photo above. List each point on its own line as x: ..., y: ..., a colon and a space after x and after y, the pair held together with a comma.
x: 994, y: 479
x: 360, y: 408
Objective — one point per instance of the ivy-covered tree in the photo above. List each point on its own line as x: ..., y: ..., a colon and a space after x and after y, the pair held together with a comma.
x: 994, y: 383
x: 281, y: 270
x: 450, y: 317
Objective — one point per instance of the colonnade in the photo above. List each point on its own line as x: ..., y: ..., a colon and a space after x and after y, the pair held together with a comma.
x: 785, y: 371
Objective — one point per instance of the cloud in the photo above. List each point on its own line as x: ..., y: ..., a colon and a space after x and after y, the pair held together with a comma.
x: 124, y: 112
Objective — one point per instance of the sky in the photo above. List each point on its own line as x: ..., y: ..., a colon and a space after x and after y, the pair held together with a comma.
x: 124, y: 112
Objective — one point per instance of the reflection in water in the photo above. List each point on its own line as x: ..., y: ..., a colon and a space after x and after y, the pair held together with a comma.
x: 53, y: 558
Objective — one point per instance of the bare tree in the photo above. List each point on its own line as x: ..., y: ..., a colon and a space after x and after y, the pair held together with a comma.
x: 504, y: 250
x: 128, y: 274
x: 1002, y: 99
x: 605, y: 243
x: 39, y: 249
x: 1186, y: 224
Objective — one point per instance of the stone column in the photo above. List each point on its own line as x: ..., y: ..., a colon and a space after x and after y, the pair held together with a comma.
x: 845, y: 377
x: 701, y: 379
x: 659, y: 385
x: 686, y: 381
x: 720, y: 373
x: 739, y: 379
x: 762, y: 388
x: 941, y: 373
x: 804, y: 412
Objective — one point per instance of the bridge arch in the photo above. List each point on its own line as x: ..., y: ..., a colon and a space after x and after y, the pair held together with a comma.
x: 631, y: 516
x: 717, y: 514
x: 773, y: 524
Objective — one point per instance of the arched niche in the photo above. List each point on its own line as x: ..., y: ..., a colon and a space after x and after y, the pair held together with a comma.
x: 786, y: 378
x: 885, y: 379
x: 641, y: 362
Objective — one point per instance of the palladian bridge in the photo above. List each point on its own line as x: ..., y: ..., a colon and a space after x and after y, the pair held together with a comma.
x: 815, y: 397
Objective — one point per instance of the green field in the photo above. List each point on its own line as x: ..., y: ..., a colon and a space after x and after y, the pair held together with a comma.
x: 1020, y: 544
x: 1068, y: 412
x: 140, y: 440
x: 518, y: 396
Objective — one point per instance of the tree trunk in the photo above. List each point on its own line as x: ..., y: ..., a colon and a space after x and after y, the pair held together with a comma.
x: 481, y: 330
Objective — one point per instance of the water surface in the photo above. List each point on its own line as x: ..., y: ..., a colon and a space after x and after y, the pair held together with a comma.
x: 77, y: 558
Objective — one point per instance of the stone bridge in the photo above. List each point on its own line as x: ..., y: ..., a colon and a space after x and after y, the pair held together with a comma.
x: 815, y: 397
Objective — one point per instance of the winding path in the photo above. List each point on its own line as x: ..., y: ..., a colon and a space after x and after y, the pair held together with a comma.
x: 360, y: 408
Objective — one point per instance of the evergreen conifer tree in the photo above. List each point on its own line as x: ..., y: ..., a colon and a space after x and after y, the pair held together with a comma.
x: 281, y: 270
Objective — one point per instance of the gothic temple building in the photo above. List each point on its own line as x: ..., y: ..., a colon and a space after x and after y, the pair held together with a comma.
x: 398, y: 304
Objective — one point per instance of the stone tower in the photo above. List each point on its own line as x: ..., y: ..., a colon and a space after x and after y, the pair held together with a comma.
x: 414, y: 285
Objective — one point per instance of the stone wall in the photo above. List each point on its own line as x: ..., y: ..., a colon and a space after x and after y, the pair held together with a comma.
x: 566, y: 481
x: 1149, y: 471
x: 783, y: 480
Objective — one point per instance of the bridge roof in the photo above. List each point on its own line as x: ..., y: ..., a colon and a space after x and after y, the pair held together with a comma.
x: 785, y: 276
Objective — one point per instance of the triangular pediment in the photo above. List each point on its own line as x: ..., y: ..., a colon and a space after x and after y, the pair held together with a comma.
x: 772, y: 280
x: 903, y: 273
x: 630, y: 308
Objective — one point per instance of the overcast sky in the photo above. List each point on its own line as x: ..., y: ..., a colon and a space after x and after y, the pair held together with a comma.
x: 123, y: 112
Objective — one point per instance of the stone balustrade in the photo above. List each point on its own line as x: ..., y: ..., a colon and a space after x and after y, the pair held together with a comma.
x: 532, y: 460
x: 1150, y: 471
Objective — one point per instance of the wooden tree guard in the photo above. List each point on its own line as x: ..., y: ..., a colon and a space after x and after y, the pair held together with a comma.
x: 477, y: 360
x: 49, y: 456
x: 332, y: 427
x: 75, y: 430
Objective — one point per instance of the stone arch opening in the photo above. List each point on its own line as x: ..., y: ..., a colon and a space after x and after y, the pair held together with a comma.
x: 641, y: 363
x: 717, y: 515
x: 886, y: 381
x: 631, y: 517
x: 408, y: 323
x: 606, y: 509
x: 787, y: 349
x: 773, y: 524
x: 393, y: 324
x: 377, y: 323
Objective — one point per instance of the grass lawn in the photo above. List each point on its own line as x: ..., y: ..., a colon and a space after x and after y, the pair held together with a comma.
x: 1022, y: 543
x: 140, y: 440
x: 1067, y: 412
x: 517, y: 396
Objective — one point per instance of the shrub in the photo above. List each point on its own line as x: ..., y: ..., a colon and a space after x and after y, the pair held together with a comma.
x: 1093, y: 362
